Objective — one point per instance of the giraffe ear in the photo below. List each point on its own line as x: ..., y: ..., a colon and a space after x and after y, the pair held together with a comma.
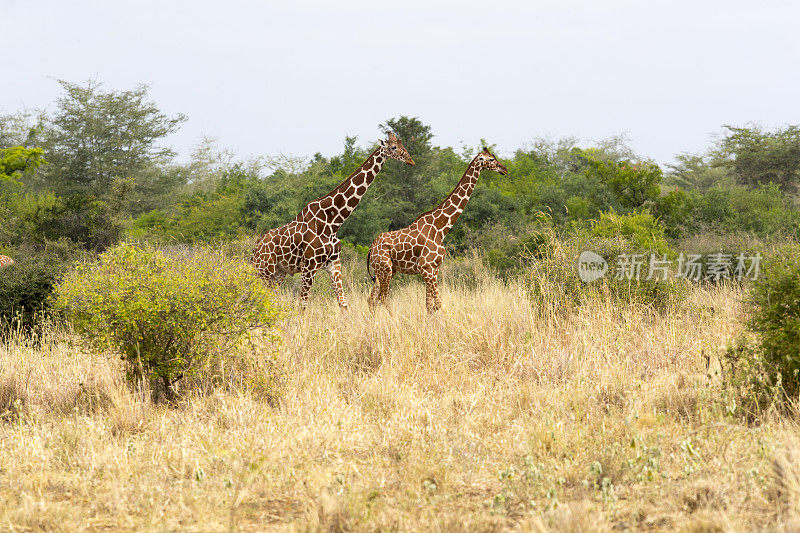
x: 382, y: 142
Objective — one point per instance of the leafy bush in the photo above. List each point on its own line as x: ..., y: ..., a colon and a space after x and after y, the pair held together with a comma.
x: 765, y: 210
x: 82, y: 219
x: 169, y: 315
x: 26, y: 285
x: 675, y: 211
x: 507, y: 257
x: 632, y: 183
x: 34, y: 219
x: 204, y: 217
x: 771, y: 360
x: 552, y: 274
x: 640, y: 230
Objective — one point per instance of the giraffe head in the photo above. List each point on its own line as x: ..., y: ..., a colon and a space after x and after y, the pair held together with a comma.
x: 393, y: 147
x: 487, y: 160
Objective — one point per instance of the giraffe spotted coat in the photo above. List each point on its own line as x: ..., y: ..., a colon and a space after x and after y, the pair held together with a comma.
x: 309, y: 242
x: 418, y: 248
x: 5, y: 261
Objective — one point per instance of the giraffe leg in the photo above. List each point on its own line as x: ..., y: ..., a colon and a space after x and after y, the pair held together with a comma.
x: 307, y: 277
x: 380, y: 291
x: 383, y: 275
x: 438, y: 294
x: 334, y: 269
x: 433, y: 300
x: 383, y: 296
x: 373, y: 294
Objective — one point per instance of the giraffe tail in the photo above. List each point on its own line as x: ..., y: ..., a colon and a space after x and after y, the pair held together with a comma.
x: 368, y: 272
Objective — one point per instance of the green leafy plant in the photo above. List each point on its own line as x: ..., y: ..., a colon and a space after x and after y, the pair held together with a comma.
x: 26, y: 286
x: 552, y: 276
x: 632, y: 183
x: 764, y: 362
x: 639, y: 229
x: 170, y: 314
x: 776, y: 314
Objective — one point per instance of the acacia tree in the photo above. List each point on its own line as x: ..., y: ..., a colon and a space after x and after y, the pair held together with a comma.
x: 758, y: 157
x: 633, y: 184
x: 107, y: 144
x: 15, y: 162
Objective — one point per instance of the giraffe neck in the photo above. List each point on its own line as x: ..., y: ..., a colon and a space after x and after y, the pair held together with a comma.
x: 337, y: 205
x: 446, y: 214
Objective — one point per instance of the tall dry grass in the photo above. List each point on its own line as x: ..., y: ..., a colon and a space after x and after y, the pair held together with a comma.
x: 497, y: 413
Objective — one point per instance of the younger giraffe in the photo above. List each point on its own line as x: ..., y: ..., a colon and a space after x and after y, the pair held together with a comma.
x: 5, y: 261
x: 309, y: 242
x: 418, y: 249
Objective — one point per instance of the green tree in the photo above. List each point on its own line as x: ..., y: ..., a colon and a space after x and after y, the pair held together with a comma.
x: 698, y: 172
x: 106, y: 143
x: 17, y: 161
x: 759, y: 157
x: 21, y: 129
x: 634, y: 184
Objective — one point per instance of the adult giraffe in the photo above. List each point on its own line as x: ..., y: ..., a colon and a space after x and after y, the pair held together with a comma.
x: 5, y: 261
x: 418, y: 249
x: 309, y: 242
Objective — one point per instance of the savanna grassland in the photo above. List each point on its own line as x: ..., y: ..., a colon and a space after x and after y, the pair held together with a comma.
x: 530, y: 402
x: 503, y: 411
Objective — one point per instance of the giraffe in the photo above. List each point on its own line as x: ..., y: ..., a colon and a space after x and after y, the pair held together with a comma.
x: 418, y: 249
x: 309, y: 242
x: 5, y: 261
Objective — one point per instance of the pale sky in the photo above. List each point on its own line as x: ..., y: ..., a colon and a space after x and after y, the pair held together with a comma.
x: 296, y: 77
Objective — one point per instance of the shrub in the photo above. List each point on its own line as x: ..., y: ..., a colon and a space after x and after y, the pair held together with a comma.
x: 169, y: 315
x: 774, y: 309
x: 639, y: 229
x: 39, y: 218
x: 507, y: 257
x: 764, y: 211
x: 634, y: 184
x: 552, y: 271
x: 675, y: 211
x: 26, y: 285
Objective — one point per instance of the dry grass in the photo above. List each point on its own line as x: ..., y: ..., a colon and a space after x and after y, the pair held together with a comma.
x: 497, y: 413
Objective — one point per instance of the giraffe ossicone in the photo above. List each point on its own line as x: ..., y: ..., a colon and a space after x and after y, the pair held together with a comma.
x: 418, y: 248
x: 309, y: 243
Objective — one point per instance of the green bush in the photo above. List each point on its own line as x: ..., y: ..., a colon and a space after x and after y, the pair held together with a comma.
x: 771, y: 360
x: 552, y: 275
x: 640, y: 230
x: 169, y: 314
x: 507, y: 256
x: 764, y: 211
x: 675, y: 211
x: 26, y: 285
x: 634, y: 184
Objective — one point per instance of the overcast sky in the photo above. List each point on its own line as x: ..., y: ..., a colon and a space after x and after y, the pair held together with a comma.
x: 296, y: 77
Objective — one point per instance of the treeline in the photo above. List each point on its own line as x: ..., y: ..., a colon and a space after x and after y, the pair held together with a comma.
x: 95, y: 170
